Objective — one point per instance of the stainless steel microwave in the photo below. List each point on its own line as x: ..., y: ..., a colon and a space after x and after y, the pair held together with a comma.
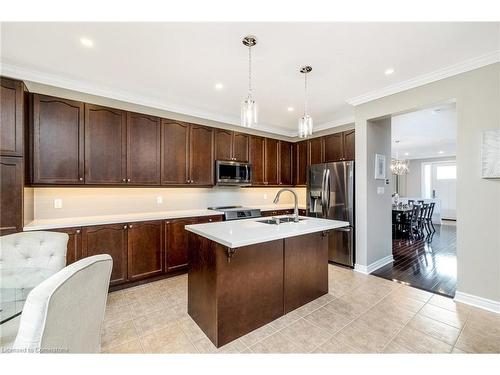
x: 233, y: 173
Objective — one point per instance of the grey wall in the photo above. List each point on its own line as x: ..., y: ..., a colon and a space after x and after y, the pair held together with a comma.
x: 477, y: 95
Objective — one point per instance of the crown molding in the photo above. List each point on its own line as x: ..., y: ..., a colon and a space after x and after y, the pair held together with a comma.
x: 462, y: 67
x: 23, y: 73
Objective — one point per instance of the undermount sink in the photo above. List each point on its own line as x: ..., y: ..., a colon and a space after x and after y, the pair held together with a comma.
x: 279, y: 220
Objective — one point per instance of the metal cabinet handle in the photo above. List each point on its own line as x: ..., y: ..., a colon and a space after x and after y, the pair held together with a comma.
x: 80, y: 179
x: 130, y: 226
x: 124, y: 180
x: 78, y: 231
x: 124, y: 227
x: 128, y: 179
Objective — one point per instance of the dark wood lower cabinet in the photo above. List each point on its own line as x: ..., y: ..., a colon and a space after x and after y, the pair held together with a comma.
x: 11, y: 195
x: 108, y: 239
x: 74, y: 252
x: 145, y: 249
x: 277, y: 212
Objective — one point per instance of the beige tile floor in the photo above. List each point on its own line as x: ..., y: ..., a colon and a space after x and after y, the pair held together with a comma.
x: 361, y: 314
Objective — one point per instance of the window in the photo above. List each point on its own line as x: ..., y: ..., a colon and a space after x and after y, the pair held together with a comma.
x: 426, y: 171
x: 446, y: 172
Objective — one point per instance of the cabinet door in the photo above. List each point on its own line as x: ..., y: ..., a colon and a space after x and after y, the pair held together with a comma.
x: 105, y: 145
x: 223, y: 144
x: 301, y: 163
x: 257, y: 160
x: 315, y: 150
x: 108, y: 239
x: 74, y: 252
x: 145, y: 249
x: 349, y: 149
x: 334, y: 149
x: 240, y: 147
x: 176, y: 244
x: 11, y: 197
x: 57, y: 140
x: 271, y: 157
x: 201, y: 155
x: 175, y: 152
x: 285, y: 163
x: 143, y: 149
x: 11, y: 117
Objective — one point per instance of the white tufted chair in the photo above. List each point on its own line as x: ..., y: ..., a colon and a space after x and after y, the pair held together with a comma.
x: 36, y: 250
x: 65, y: 312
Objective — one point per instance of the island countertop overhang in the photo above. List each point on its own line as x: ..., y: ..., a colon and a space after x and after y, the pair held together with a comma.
x: 238, y: 233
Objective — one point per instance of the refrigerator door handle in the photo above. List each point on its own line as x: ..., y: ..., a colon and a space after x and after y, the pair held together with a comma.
x: 327, y: 192
x: 348, y: 229
x: 323, y: 202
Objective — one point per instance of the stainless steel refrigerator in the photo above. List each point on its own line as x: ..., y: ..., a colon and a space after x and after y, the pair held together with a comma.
x: 330, y: 195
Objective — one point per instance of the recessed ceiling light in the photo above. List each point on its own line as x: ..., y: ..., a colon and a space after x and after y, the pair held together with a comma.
x: 86, y: 42
x: 389, y: 71
x: 290, y: 109
x: 407, y: 153
x: 219, y: 86
x: 441, y: 152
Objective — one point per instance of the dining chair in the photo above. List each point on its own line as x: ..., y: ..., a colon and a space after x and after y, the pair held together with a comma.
x: 428, y: 221
x: 64, y: 314
x: 422, y: 219
x: 411, y: 202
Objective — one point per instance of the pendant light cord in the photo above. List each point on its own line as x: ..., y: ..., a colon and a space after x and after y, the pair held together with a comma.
x: 305, y: 94
x: 249, y: 71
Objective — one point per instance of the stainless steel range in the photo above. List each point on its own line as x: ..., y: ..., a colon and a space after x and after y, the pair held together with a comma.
x: 237, y: 212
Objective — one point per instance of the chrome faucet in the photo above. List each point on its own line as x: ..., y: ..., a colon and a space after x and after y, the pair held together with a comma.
x: 296, y: 207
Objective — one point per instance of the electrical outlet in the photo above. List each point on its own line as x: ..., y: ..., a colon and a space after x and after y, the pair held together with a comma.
x: 57, y: 203
x: 159, y: 200
x: 265, y: 196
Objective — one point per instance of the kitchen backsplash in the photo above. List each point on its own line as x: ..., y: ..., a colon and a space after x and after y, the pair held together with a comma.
x: 110, y: 201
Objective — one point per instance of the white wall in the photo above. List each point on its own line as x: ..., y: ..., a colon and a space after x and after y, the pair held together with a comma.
x: 477, y: 95
x: 413, y: 180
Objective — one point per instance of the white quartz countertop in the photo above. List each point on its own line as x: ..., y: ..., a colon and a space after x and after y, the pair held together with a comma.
x: 239, y: 233
x: 83, y: 221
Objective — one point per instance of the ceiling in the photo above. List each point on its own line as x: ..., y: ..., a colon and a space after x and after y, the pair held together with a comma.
x: 174, y: 66
x: 428, y: 133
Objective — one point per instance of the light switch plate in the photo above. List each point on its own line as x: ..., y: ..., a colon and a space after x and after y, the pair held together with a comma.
x: 159, y: 200
x: 265, y: 196
x: 380, y: 190
x: 57, y: 203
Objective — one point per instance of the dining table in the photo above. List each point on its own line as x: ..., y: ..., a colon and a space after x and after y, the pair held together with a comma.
x: 398, y: 216
x: 15, y: 285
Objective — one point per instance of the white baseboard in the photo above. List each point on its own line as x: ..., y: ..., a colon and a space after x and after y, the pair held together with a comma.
x: 476, y: 301
x: 374, y: 266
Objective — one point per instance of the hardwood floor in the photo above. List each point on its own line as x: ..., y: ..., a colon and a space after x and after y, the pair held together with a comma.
x: 430, y: 266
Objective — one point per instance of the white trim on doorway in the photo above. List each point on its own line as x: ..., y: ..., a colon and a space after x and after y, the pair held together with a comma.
x: 373, y: 266
x: 476, y: 301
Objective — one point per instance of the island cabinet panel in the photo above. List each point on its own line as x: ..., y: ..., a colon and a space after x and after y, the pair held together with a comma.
x: 12, y: 107
x: 286, y: 167
x: 334, y: 147
x: 145, y: 249
x: 74, y: 252
x: 175, y: 152
x: 58, y: 140
x: 241, y: 147
x: 176, y: 244
x: 306, y: 269
x: 143, y: 149
x: 223, y: 144
x: 277, y: 212
x: 301, y: 163
x: 349, y: 150
x: 105, y: 145
x: 201, y: 147
x: 108, y: 239
x: 257, y: 160
x: 315, y: 151
x: 271, y: 166
x: 11, y: 194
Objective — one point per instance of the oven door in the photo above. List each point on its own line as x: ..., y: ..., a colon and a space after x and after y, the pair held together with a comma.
x: 233, y: 173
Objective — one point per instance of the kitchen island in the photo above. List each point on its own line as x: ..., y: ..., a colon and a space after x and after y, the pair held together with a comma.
x: 244, y: 274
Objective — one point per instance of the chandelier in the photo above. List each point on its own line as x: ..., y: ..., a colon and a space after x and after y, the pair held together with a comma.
x: 306, y: 121
x: 249, y: 106
x: 399, y: 166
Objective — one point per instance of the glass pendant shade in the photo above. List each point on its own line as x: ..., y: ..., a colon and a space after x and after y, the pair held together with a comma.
x: 248, y: 112
x: 305, y: 126
x: 399, y: 167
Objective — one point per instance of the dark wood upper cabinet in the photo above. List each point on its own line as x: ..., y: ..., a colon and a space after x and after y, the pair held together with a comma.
x: 12, y: 113
x: 315, y: 151
x: 58, y: 140
x: 333, y: 147
x: 145, y: 249
x: 223, y: 144
x: 271, y: 168
x: 349, y: 150
x: 74, y: 252
x: 257, y: 159
x: 240, y: 146
x: 176, y: 244
x: 201, y: 147
x: 11, y: 197
x: 286, y: 167
x: 301, y: 163
x: 143, y: 149
x: 175, y: 152
x: 108, y: 239
x: 105, y: 145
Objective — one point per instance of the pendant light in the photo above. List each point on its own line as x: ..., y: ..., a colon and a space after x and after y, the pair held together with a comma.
x: 306, y: 121
x: 248, y: 105
x: 399, y: 166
